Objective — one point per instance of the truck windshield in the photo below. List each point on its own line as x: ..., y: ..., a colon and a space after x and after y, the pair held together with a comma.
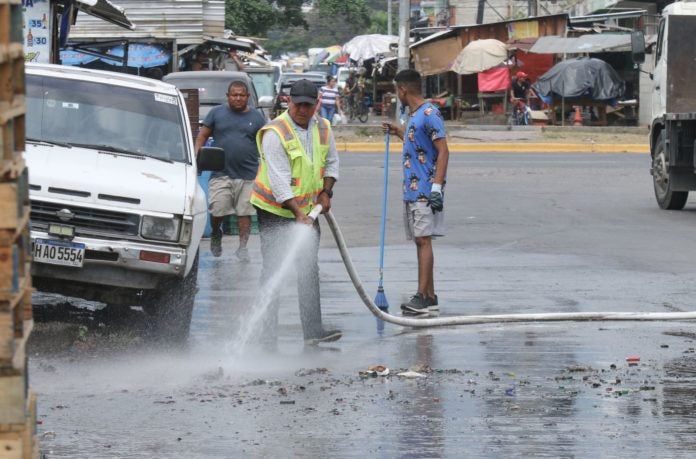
x: 64, y: 111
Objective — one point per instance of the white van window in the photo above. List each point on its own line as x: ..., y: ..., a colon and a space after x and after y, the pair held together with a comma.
x: 264, y: 83
x: 97, y: 115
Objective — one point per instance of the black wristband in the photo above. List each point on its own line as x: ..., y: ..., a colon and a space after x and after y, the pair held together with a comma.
x: 328, y: 192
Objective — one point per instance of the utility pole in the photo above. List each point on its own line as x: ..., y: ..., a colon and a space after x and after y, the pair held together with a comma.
x: 404, y: 29
x: 389, y: 17
x: 479, y: 11
x: 403, y: 56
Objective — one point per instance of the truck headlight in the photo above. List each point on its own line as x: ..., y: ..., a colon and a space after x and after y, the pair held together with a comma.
x: 161, y: 229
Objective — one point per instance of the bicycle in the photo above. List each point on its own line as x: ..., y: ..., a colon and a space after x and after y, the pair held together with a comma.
x: 359, y: 111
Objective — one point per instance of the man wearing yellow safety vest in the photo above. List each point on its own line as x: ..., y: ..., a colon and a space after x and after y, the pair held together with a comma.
x: 299, y: 166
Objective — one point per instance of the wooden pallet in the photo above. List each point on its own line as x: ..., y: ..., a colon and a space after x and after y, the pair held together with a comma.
x: 11, y: 51
x: 11, y: 21
x: 11, y: 73
x: 12, y: 128
x: 18, y: 440
x: 17, y: 404
x: 15, y: 271
x: 11, y: 169
x: 15, y: 328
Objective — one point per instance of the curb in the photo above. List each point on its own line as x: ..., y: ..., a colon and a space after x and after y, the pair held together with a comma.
x: 374, y: 147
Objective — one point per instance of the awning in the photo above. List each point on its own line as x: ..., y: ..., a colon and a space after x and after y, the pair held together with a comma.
x: 436, y: 56
x: 596, y: 43
x: 432, y: 37
x: 107, y: 11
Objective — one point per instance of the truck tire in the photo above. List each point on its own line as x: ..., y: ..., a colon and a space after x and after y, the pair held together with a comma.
x: 171, y: 307
x: 662, y: 179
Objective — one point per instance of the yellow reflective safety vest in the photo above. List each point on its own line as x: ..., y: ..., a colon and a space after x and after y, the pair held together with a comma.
x: 307, y: 177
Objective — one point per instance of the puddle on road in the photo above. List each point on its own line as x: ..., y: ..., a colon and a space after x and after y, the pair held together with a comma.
x: 488, y: 391
x: 526, y: 390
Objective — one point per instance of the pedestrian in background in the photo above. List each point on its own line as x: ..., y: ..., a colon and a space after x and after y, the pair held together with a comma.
x: 233, y: 62
x: 350, y: 90
x: 329, y: 100
x: 424, y: 161
x: 299, y: 166
x: 234, y: 126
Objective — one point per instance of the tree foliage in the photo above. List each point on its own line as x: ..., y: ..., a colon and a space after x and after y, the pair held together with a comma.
x: 287, y: 28
x: 256, y: 17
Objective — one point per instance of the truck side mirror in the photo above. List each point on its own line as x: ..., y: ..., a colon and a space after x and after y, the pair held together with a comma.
x: 265, y: 101
x: 210, y: 159
x: 638, y: 47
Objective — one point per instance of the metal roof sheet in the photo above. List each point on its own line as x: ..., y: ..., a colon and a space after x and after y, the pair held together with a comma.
x: 186, y: 21
x: 104, y: 9
x: 595, y: 43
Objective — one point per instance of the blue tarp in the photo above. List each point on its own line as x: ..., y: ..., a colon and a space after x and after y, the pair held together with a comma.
x: 139, y: 56
x: 70, y: 57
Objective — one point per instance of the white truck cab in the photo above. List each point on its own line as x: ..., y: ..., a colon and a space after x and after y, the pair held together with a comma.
x: 117, y: 213
x: 673, y: 124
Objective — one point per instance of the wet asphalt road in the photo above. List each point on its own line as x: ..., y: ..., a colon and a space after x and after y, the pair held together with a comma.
x: 526, y: 233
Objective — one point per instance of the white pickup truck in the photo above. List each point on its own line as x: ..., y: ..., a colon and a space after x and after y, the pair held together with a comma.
x: 117, y: 213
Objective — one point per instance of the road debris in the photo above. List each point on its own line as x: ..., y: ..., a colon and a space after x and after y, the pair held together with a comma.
x: 411, y: 374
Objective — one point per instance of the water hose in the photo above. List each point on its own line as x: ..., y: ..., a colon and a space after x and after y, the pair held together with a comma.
x: 488, y: 319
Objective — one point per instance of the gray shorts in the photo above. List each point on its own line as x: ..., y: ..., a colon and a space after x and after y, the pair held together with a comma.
x: 420, y: 221
x: 228, y: 196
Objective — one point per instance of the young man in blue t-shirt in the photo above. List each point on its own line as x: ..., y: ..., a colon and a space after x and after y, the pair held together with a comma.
x: 424, y: 160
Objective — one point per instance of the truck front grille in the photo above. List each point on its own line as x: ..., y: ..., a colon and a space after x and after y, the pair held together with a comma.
x: 87, y: 221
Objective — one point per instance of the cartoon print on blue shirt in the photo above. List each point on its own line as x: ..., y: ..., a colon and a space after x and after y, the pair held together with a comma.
x: 433, y: 133
x: 414, y: 182
x: 421, y: 155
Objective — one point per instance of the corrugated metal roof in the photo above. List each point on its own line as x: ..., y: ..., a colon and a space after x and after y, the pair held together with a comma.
x: 454, y: 30
x: 605, y: 16
x: 596, y: 43
x: 184, y: 20
x: 104, y: 9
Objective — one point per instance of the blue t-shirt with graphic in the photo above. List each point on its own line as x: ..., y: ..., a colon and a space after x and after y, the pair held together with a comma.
x: 419, y: 158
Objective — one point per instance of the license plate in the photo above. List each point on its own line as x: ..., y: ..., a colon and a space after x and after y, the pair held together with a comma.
x: 59, y: 252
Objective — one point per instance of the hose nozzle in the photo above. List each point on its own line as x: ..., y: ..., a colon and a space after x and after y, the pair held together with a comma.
x: 315, y: 212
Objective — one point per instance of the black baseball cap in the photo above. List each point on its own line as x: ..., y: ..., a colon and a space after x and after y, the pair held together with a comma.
x: 303, y: 92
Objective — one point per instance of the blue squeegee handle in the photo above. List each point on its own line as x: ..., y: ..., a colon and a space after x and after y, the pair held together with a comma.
x: 384, y: 207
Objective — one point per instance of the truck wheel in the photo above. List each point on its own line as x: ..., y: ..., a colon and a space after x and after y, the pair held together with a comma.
x: 171, y: 307
x: 662, y: 179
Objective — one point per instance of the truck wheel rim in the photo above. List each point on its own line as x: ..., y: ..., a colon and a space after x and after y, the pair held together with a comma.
x: 660, y: 173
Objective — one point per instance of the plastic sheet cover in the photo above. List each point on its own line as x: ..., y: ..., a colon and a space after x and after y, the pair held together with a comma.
x: 581, y: 77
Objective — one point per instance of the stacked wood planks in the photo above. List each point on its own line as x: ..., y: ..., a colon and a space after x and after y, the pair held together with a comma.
x: 17, y: 403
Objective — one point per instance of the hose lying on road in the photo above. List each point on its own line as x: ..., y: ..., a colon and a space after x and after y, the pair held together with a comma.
x: 496, y: 318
